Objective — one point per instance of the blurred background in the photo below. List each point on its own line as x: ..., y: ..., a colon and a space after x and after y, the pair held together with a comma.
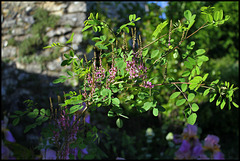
x: 27, y: 71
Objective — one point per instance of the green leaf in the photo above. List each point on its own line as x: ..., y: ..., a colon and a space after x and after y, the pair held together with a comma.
x: 111, y: 113
x: 212, y: 97
x: 216, y: 15
x: 192, y: 119
x: 180, y: 102
x: 144, y: 52
x: 69, y: 73
x: 155, y: 111
x: 205, y: 77
x: 221, y: 14
x: 143, y: 95
x: 86, y: 27
x: 196, y: 79
x: 234, y: 104
x: 214, y: 82
x: 119, y: 123
x: 147, y: 105
x: 218, y: 100
x: 67, y: 56
x: 71, y: 53
x: 160, y: 108
x: 33, y: 114
x: 154, y: 53
x: 188, y: 65
x: 126, y: 29
x: 184, y: 87
x: 16, y: 121
x: 191, y: 97
x: 42, y: 112
x: 206, y: 92
x: 226, y: 17
x: 193, y: 85
x: 203, y: 58
x: 223, y: 103
x: 200, y: 52
x: 116, y: 102
x: 71, y: 39
x: 186, y: 73
x: 159, y: 28
x: 130, y: 17
x: 193, y: 72
x: 106, y: 92
x: 102, y: 47
x: 188, y: 15
x: 174, y: 95
x: 103, y: 37
x: 46, y: 47
x: 65, y: 62
x: 137, y: 19
x: 75, y: 108
x: 190, y: 45
x: 209, y: 18
x: 192, y: 61
x: 197, y: 70
x: 195, y: 107
x: 59, y: 80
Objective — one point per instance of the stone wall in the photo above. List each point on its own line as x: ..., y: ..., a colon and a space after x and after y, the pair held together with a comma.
x: 20, y: 79
x: 17, y: 20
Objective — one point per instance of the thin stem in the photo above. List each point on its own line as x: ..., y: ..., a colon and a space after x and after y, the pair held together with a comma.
x: 183, y: 95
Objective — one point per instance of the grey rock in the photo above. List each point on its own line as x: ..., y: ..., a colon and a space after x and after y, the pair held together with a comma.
x: 9, y: 51
x: 51, y: 33
x: 77, y: 7
x: 58, y: 31
x: 28, y: 19
x: 18, y: 31
x: 34, y: 68
x: 56, y: 64
x: 63, y: 30
x: 8, y: 23
x: 73, y: 19
x: 62, y: 39
x: 77, y: 38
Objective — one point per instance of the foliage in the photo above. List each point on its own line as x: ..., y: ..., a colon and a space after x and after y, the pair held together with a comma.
x: 120, y: 77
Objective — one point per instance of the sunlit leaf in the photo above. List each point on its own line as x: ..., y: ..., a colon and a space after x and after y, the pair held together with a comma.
x: 174, y: 95
x: 119, y: 123
x: 180, y: 102
x: 192, y: 119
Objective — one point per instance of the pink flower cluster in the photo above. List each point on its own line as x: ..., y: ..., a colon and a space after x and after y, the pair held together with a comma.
x: 136, y: 69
